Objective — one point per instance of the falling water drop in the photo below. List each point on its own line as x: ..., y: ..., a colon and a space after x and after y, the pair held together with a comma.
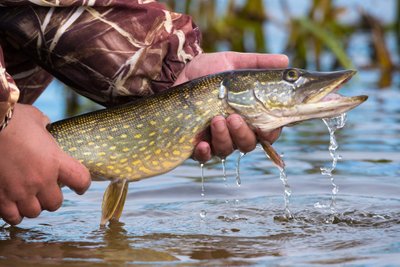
x: 203, y: 213
x: 287, y: 192
x: 333, y: 124
x: 223, y: 163
x: 202, y: 180
x: 238, y: 180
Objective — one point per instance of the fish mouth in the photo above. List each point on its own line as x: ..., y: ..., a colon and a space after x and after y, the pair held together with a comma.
x: 331, y: 82
x: 326, y: 102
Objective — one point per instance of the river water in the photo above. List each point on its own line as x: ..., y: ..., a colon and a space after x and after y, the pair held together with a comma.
x: 167, y: 220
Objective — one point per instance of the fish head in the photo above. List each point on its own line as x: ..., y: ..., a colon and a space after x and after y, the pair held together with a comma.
x: 269, y: 99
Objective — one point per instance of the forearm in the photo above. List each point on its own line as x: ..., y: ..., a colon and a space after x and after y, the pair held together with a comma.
x: 110, y: 53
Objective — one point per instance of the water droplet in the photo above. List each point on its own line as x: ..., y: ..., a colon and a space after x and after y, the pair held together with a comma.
x: 223, y: 163
x: 238, y: 180
x: 333, y: 124
x: 287, y: 192
x: 203, y: 214
x: 202, y: 179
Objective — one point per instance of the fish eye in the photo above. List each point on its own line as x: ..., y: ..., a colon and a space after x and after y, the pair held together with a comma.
x: 291, y: 75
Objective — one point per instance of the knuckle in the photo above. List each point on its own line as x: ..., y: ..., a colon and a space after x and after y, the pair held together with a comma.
x: 31, y: 211
x: 247, y: 147
x: 53, y: 205
x: 12, y: 218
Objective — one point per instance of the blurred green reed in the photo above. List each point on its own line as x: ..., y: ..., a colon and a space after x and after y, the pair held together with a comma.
x: 239, y: 26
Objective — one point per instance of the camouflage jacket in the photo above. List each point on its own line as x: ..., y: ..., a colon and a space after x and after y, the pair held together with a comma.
x: 111, y: 51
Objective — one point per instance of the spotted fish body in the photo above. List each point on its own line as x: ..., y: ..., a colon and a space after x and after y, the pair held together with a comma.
x: 145, y: 138
x: 154, y: 135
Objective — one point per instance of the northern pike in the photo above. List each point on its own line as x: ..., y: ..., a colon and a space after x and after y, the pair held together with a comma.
x: 154, y: 135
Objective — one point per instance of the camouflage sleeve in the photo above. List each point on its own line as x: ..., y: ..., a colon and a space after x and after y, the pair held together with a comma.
x: 111, y: 51
x: 8, y: 94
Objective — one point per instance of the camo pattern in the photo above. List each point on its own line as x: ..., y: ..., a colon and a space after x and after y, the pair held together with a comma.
x: 111, y: 51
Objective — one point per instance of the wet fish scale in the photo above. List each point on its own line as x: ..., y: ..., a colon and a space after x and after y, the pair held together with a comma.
x: 142, y: 139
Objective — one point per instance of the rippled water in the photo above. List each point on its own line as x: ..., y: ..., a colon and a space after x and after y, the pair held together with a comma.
x: 245, y: 225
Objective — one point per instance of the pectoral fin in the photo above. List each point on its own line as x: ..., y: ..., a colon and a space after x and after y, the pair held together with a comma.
x: 114, y: 200
x: 272, y: 154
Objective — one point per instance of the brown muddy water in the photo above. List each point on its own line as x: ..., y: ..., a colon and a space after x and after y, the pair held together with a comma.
x: 168, y: 222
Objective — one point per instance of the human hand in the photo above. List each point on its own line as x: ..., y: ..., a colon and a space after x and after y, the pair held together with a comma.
x: 31, y: 165
x: 226, y: 134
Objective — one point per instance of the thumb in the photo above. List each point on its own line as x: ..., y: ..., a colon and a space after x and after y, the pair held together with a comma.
x: 73, y: 174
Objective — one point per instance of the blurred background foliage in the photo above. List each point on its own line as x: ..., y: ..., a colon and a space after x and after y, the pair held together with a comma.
x: 318, y: 38
x: 318, y: 33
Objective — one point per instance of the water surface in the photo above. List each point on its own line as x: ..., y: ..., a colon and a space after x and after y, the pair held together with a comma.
x: 245, y: 225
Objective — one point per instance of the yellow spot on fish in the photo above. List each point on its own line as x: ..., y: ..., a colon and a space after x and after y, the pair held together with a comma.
x: 113, y: 157
x: 166, y: 154
x: 79, y: 141
x: 99, y: 164
x: 136, y: 162
x: 137, y: 136
x: 123, y: 160
x: 155, y: 163
x: 97, y: 137
x: 112, y: 147
x: 110, y: 167
x: 139, y: 126
x: 206, y: 112
x: 104, y: 145
x: 210, y: 100
x: 147, y: 157
x: 110, y: 137
x: 90, y: 161
x: 151, y: 143
x: 102, y: 129
x: 114, y: 129
x: 194, y: 130
x: 157, y: 152
x: 143, y: 169
x: 199, y: 103
x: 180, y: 115
x: 168, y: 144
x: 182, y: 140
x: 91, y: 143
x: 185, y: 107
x: 87, y: 153
x: 123, y: 136
x: 176, y: 153
x: 152, y: 133
x: 81, y: 160
x: 117, y: 171
x: 125, y: 149
x: 134, y: 156
x: 166, y: 130
x: 129, y: 169
x: 72, y: 149
x: 188, y: 116
x: 126, y: 126
x: 142, y: 148
x: 167, y: 119
x: 152, y: 122
x: 101, y: 153
x: 167, y: 164
x: 177, y: 130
